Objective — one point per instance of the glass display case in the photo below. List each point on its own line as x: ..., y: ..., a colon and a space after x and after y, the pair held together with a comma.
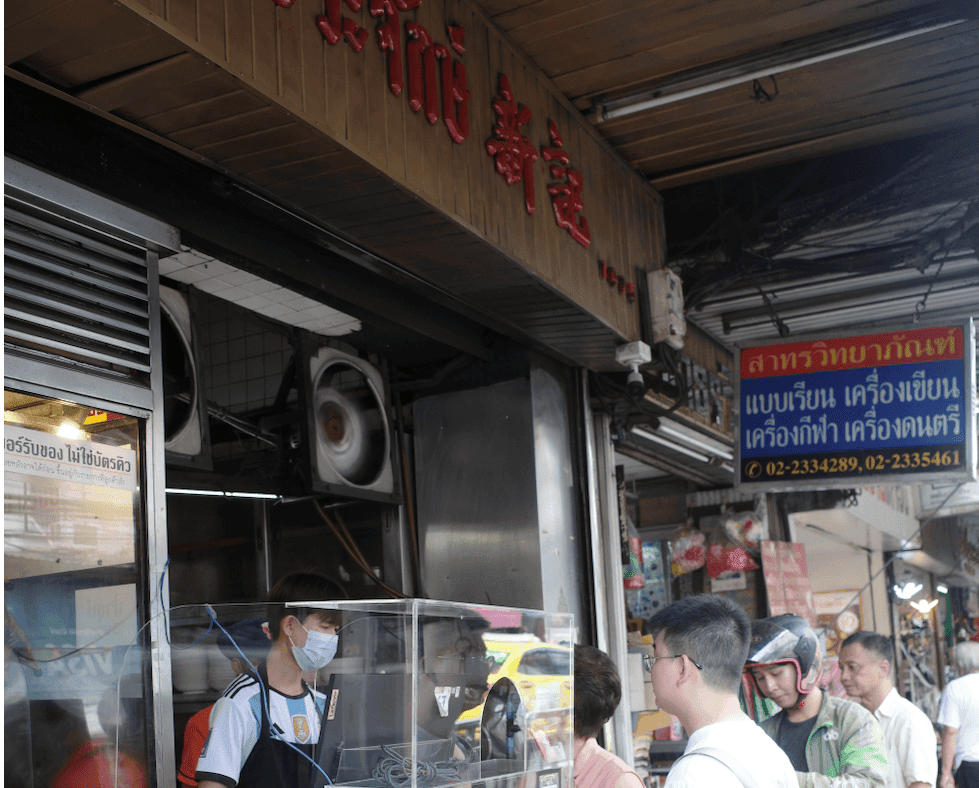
x: 420, y: 693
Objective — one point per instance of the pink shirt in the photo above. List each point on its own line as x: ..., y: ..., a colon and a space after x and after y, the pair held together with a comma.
x: 598, y: 768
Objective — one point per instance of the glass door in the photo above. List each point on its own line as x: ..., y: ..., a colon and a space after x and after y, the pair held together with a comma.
x: 75, y: 596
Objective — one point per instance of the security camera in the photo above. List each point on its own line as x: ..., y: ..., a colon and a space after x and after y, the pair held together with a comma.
x: 635, y: 384
x: 632, y: 355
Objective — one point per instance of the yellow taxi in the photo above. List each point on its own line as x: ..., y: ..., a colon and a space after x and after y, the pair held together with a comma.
x: 541, y: 673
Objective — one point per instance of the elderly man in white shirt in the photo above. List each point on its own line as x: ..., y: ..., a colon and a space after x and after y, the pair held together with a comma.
x: 958, y: 715
x: 912, y: 747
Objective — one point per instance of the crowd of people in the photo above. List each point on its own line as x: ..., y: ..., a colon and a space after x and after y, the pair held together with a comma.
x: 704, y: 646
x: 707, y: 660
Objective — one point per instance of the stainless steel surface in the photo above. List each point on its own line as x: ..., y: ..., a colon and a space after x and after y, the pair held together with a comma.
x: 45, y: 377
x: 263, y: 548
x: 560, y: 549
x: 65, y: 199
x: 396, y: 549
x: 594, y: 519
x: 477, y: 496
x: 157, y: 545
x: 614, y: 599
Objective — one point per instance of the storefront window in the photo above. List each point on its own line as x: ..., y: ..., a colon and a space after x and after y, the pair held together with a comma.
x: 74, y: 668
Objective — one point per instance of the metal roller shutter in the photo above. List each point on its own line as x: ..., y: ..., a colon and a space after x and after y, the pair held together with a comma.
x: 75, y: 293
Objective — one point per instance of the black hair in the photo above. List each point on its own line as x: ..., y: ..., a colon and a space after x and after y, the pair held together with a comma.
x: 871, y: 641
x: 302, y: 587
x: 713, y: 631
x: 597, y: 690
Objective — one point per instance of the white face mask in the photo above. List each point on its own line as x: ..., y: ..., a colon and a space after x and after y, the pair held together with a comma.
x: 320, y: 648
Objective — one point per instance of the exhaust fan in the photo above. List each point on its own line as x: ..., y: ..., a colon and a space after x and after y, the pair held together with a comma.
x: 184, y: 411
x: 348, y: 432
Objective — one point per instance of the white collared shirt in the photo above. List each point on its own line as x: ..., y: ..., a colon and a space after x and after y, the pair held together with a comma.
x: 960, y: 709
x: 912, y: 747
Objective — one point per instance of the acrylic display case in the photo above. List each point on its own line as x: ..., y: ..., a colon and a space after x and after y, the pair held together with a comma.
x: 421, y: 694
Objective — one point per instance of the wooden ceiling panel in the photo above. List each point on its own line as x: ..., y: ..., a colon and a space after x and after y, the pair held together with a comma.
x: 27, y: 33
x: 611, y: 46
x: 280, y: 132
x: 261, y: 118
x: 925, y: 76
x: 187, y: 115
x: 102, y: 50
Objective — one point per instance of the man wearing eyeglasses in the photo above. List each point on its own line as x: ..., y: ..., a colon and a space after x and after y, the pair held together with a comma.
x: 700, y: 644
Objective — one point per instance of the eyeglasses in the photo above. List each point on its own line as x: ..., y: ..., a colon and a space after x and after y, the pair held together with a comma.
x: 648, y: 661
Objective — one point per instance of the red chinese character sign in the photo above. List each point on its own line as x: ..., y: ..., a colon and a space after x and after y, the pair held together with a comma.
x: 565, y: 196
x: 426, y: 59
x: 513, y: 152
x: 425, y: 70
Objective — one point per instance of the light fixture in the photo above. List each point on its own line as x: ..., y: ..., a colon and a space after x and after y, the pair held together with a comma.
x: 923, y: 605
x: 691, y: 438
x: 669, y: 444
x: 698, y: 81
x: 941, y: 588
x: 908, y: 590
x: 70, y: 431
x: 222, y: 493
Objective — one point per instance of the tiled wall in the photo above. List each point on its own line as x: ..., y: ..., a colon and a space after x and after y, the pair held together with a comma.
x: 243, y: 360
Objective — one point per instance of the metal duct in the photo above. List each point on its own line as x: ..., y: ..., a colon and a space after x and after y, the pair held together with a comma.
x: 496, y: 514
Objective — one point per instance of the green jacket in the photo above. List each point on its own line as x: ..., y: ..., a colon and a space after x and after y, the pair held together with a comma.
x: 845, y: 748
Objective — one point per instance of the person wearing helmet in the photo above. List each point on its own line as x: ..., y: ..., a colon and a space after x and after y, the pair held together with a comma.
x: 832, y: 742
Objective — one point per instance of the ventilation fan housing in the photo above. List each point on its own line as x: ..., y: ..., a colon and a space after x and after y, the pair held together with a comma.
x: 349, y: 439
x: 184, y: 406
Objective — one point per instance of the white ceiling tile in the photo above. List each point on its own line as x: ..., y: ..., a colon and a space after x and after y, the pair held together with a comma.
x: 336, y: 319
x: 185, y: 258
x: 169, y: 264
x: 322, y: 310
x: 276, y: 311
x: 238, y: 278
x: 259, y: 286
x: 254, y: 302
x: 235, y: 294
x: 217, y: 268
x: 301, y: 303
x: 339, y: 331
x: 213, y: 286
x: 188, y: 276
x: 280, y: 295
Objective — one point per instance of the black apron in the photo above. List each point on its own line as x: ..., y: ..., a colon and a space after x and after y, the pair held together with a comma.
x: 273, y: 763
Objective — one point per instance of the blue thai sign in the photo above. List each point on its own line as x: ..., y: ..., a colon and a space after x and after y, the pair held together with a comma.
x: 847, y: 411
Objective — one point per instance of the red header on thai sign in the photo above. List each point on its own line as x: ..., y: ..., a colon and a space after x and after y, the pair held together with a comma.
x: 871, y: 350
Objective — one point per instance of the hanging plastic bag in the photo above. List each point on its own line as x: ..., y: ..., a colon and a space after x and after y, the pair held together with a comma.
x: 633, y: 576
x: 727, y: 559
x: 688, y: 552
x: 748, y: 528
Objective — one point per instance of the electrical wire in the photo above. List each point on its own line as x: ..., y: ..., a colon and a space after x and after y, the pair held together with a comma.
x: 890, y: 560
x: 919, y: 308
x: 346, y: 541
x: 909, y: 235
x: 400, y: 772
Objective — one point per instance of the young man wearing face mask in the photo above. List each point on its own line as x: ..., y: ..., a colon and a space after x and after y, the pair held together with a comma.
x: 264, y: 726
